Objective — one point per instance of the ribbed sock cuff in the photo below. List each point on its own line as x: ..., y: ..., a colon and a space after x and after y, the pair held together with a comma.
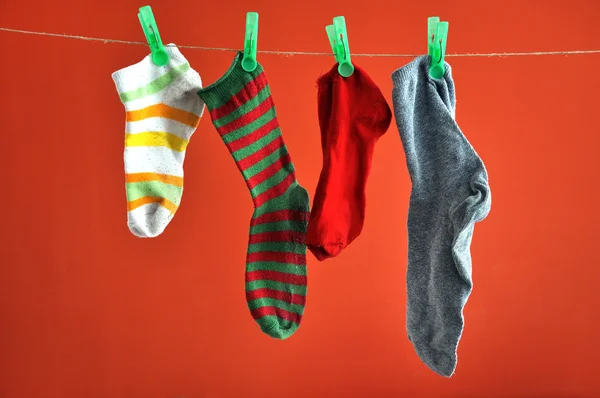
x: 231, y: 83
x: 327, y: 78
x: 420, y: 64
x: 145, y: 71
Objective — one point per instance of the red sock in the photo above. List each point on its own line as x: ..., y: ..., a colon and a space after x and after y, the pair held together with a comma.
x: 353, y: 114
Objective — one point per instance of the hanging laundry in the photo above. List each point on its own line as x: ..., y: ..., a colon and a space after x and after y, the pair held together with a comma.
x: 450, y: 193
x: 243, y: 112
x: 162, y: 113
x: 353, y: 115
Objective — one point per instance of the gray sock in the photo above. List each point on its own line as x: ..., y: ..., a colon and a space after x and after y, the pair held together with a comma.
x: 450, y: 193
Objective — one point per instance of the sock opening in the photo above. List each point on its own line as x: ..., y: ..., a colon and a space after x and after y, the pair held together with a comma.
x: 232, y: 81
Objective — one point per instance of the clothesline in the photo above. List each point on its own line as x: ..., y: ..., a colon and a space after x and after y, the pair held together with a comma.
x: 291, y: 53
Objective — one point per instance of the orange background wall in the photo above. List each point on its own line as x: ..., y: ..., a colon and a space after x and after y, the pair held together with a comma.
x: 88, y: 310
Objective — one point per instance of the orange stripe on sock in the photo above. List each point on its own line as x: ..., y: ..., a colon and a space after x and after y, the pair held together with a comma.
x: 167, y: 204
x: 166, y: 111
x: 166, y: 178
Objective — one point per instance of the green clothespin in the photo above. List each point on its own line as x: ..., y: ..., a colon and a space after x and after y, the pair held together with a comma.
x: 431, y: 30
x: 338, y: 38
x: 250, y: 43
x: 331, y: 35
x: 437, y: 36
x: 159, y: 55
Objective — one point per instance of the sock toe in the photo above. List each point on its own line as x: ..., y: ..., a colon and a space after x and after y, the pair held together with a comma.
x: 326, y: 250
x: 276, y: 327
x: 442, y: 362
x: 149, y: 221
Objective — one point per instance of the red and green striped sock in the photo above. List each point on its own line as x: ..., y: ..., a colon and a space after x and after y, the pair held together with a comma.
x: 243, y: 112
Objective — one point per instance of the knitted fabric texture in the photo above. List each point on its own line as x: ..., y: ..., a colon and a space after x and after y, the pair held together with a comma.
x: 242, y: 110
x: 353, y: 115
x: 450, y: 193
x: 162, y: 112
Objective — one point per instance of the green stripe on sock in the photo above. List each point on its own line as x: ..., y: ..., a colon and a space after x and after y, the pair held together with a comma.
x: 136, y: 190
x: 275, y: 266
x: 271, y: 302
x: 250, y: 128
x: 286, y: 201
x: 256, y: 145
x: 265, y: 162
x: 242, y: 110
x: 155, y: 85
x: 283, y: 287
x: 273, y: 180
x: 281, y: 247
x: 288, y: 225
